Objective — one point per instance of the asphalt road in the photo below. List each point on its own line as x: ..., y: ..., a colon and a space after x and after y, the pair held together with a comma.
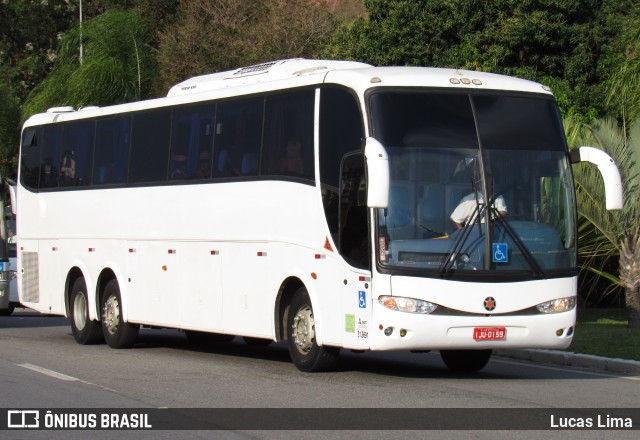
x: 41, y: 366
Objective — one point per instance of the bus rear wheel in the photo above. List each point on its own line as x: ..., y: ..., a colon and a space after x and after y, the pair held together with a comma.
x: 465, y: 361
x: 85, y: 331
x: 305, y: 352
x: 117, y: 333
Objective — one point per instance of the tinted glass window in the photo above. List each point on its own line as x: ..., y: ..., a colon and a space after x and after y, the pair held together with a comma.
x: 51, y: 154
x: 150, y: 146
x: 30, y: 160
x: 518, y: 122
x: 192, y: 139
x: 238, y: 137
x: 341, y: 131
x: 77, y: 153
x: 288, y: 140
x: 112, y: 150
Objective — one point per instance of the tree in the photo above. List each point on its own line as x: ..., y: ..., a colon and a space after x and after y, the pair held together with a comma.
x: 29, y: 32
x: 608, y: 236
x: 9, y: 120
x: 218, y: 35
x: 569, y: 44
x: 117, y: 67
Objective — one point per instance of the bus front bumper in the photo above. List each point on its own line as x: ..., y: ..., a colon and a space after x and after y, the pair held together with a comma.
x: 395, y: 330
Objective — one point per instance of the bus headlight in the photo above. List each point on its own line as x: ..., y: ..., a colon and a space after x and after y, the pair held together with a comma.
x: 409, y: 305
x: 557, y: 305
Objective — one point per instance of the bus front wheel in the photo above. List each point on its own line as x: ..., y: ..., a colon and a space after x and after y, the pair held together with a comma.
x: 465, y: 361
x: 117, y: 333
x: 305, y: 352
x: 85, y: 331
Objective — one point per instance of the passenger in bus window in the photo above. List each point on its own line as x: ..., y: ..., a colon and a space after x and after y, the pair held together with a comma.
x: 68, y: 168
x: 291, y: 162
x: 179, y: 167
x: 204, y: 166
x: 470, y: 204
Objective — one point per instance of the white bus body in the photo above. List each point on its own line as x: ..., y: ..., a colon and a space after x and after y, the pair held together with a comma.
x: 137, y: 214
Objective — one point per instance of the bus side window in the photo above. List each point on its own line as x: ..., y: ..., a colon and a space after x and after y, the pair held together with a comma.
x: 341, y: 131
x: 288, y: 139
x: 77, y: 156
x: 239, y: 136
x: 50, y: 159
x: 30, y: 161
x: 111, y: 150
x: 150, y: 146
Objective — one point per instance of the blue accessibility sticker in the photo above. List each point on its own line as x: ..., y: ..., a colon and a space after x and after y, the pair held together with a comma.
x: 500, y: 253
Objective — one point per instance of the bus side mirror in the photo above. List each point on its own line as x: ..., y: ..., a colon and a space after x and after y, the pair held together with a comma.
x: 609, y: 171
x: 377, y: 174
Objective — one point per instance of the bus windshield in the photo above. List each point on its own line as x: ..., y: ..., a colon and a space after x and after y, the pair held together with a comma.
x: 480, y: 184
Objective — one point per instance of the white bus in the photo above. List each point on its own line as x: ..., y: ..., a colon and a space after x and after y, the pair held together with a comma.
x: 310, y: 201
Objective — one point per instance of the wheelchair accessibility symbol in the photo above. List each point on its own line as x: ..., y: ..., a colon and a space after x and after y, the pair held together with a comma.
x: 500, y: 253
x: 362, y: 299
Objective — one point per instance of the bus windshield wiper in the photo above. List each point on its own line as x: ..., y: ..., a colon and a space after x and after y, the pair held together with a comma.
x: 537, y: 269
x: 447, y: 263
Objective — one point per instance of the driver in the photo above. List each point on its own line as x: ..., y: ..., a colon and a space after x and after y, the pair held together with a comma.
x: 470, y: 203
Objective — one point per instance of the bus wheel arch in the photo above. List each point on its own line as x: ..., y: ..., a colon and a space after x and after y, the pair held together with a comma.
x: 304, y: 350
x: 288, y: 288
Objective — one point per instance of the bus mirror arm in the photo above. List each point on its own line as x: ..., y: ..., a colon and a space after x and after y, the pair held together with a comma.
x: 377, y: 174
x: 609, y: 171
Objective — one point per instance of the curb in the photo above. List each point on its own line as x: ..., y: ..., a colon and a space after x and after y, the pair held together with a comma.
x: 570, y: 359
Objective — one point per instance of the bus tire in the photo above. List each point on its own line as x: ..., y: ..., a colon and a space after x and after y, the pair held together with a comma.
x: 85, y: 331
x: 305, y: 353
x: 465, y: 361
x: 117, y: 333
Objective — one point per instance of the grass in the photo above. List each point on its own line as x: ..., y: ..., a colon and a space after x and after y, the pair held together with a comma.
x: 604, y: 332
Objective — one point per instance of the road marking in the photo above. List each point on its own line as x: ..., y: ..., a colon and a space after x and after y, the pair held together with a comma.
x: 48, y: 372
x: 568, y: 369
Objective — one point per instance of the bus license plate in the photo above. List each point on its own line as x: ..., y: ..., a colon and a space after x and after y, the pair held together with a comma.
x: 489, y: 333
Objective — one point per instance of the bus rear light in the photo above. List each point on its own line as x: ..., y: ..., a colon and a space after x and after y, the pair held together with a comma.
x: 320, y: 256
x: 409, y: 305
x: 92, y: 249
x: 215, y: 252
x: 171, y: 251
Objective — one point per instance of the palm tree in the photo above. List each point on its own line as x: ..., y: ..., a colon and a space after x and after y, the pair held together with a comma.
x: 118, y: 65
x: 603, y: 235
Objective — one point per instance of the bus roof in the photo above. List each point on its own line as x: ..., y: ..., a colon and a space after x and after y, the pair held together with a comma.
x: 283, y: 74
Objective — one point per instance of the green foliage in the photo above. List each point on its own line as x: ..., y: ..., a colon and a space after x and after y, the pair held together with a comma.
x: 600, y: 231
x: 568, y: 42
x: 9, y: 119
x: 117, y: 66
x: 29, y: 32
x: 217, y: 35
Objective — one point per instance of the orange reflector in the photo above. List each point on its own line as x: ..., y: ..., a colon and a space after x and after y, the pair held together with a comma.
x: 314, y: 276
x: 327, y: 244
x: 390, y: 303
x: 164, y: 268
